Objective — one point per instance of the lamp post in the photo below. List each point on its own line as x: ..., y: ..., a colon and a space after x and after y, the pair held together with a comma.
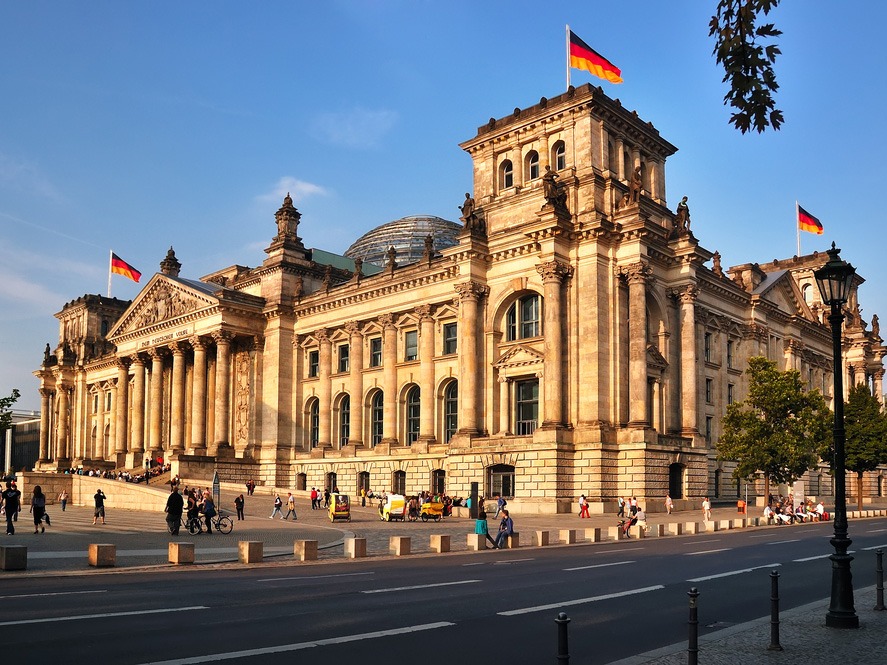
x: 834, y: 280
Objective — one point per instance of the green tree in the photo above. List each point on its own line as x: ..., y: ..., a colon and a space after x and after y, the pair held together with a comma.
x: 865, y: 430
x: 740, y: 46
x: 779, y: 431
x: 5, y: 405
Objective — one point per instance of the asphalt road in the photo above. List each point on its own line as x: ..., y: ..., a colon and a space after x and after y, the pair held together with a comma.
x: 623, y: 598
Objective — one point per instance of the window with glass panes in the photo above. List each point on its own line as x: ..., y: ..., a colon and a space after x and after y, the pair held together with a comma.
x: 344, y: 420
x: 413, y: 412
x: 522, y: 320
x: 377, y: 413
x: 313, y: 363
x: 450, y: 341
x: 314, y: 423
x: 344, y: 353
x: 375, y: 352
x: 411, y: 345
x: 500, y: 480
x: 451, y: 410
x: 526, y: 404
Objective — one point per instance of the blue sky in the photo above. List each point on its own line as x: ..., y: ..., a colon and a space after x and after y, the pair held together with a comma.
x: 141, y: 125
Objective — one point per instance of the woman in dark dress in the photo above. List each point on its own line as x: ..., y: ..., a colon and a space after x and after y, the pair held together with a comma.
x: 38, y: 508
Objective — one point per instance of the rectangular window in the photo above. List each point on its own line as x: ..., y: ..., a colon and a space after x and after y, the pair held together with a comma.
x: 450, y: 342
x: 526, y: 402
x: 529, y: 317
x: 313, y: 363
x: 108, y: 401
x: 375, y: 352
x: 731, y: 393
x: 708, y: 425
x: 344, y: 352
x: 709, y: 390
x: 411, y: 345
x: 95, y: 403
x: 730, y: 354
x: 707, y: 347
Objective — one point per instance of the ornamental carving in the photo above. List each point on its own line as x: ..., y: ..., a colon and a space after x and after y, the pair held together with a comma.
x: 386, y: 321
x: 322, y: 335
x: 471, y: 290
x: 686, y: 295
x: 423, y: 312
x: 222, y: 337
x: 352, y: 327
x: 636, y: 273
x: 162, y: 303
x: 554, y: 271
x: 242, y: 366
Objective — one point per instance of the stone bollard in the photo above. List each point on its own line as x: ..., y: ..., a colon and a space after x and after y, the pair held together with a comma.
x: 615, y: 533
x: 102, y: 555
x: 250, y: 551
x: 305, y: 550
x: 594, y: 535
x: 710, y: 526
x: 675, y: 529
x: 658, y: 530
x: 476, y: 541
x: 738, y: 524
x: 399, y: 545
x: 355, y: 548
x: 13, y: 557
x: 568, y: 536
x: 513, y: 541
x: 180, y: 553
x: 440, y: 544
x: 691, y: 527
x: 724, y: 525
x: 541, y: 538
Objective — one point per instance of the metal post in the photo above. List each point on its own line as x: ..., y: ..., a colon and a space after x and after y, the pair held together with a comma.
x: 879, y: 573
x: 774, y: 613
x: 693, y: 623
x: 563, y: 649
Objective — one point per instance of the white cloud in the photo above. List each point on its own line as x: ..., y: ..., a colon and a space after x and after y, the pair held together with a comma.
x: 358, y: 128
x: 24, y: 298
x: 25, y: 177
x: 298, y: 189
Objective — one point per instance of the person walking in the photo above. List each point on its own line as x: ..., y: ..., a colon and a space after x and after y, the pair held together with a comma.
x: 238, y: 506
x: 313, y: 498
x: 63, y: 499
x: 326, y: 497
x: 669, y: 504
x: 506, y: 529
x: 290, y: 506
x: 38, y: 508
x: 174, y: 506
x: 482, y: 529
x: 706, y: 509
x: 500, y: 506
x: 583, y: 507
x: 209, y: 511
x: 620, y: 502
x: 10, y: 499
x: 99, y: 498
x: 277, y: 504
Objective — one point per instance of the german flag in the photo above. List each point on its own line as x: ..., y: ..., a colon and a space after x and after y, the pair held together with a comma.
x: 121, y: 267
x: 809, y: 223
x: 582, y: 56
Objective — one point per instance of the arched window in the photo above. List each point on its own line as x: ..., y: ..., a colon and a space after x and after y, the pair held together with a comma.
x: 559, y: 156
x: 363, y: 482
x: 105, y: 327
x: 500, y: 480
x: 414, y: 409
x: 377, y: 417
x: 506, y: 174
x: 532, y: 166
x: 399, y: 482
x: 438, y: 481
x: 314, y: 423
x: 344, y: 420
x: 301, y: 481
x: 332, y: 483
x: 523, y: 318
x: 451, y: 410
x: 807, y: 292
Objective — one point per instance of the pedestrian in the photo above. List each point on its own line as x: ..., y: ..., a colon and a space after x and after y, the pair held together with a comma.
x: 238, y: 506
x: 506, y: 529
x: 363, y: 497
x: 482, y: 529
x: 11, y: 500
x: 620, y: 502
x: 669, y: 504
x: 706, y: 509
x: 290, y: 506
x: 326, y: 497
x: 277, y: 504
x: 99, y: 498
x: 500, y: 506
x: 583, y: 507
x: 174, y: 505
x: 313, y: 498
x: 38, y: 508
x: 633, y: 506
x: 209, y: 511
x: 63, y: 499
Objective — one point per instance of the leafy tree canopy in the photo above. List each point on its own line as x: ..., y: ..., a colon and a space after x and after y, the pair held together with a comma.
x: 780, y: 430
x: 865, y: 428
x: 5, y: 406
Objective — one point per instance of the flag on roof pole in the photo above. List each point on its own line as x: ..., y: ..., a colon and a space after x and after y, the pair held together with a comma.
x: 121, y: 267
x: 582, y: 56
x: 807, y: 222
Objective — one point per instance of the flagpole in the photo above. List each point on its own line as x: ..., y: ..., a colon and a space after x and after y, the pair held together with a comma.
x: 110, y: 263
x: 568, y: 56
x: 798, y: 225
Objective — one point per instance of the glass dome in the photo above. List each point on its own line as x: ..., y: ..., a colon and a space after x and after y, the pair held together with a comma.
x: 407, y: 236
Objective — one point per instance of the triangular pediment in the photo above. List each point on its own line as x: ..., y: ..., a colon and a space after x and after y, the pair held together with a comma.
x: 785, y: 294
x: 655, y: 359
x: 519, y: 356
x: 162, y: 299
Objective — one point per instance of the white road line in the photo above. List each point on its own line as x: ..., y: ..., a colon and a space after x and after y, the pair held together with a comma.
x: 57, y: 593
x: 103, y: 616
x: 733, y: 572
x: 600, y: 565
x: 783, y: 542
x: 420, y: 586
x: 874, y: 547
x: 476, y: 563
x: 699, y: 542
x: 762, y: 535
x: 496, y: 563
x: 811, y: 558
x: 725, y: 549
x: 312, y: 577
x: 622, y: 549
x: 579, y: 601
x: 284, y: 648
x: 876, y: 530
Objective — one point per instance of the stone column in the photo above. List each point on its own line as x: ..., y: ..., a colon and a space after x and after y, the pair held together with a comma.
x: 198, y: 397
x: 137, y: 439
x: 620, y: 159
x: 470, y: 294
x: 637, y: 275
x: 553, y: 275
x: 177, y: 399
x: 355, y: 381
x: 63, y: 432
x: 689, y: 418
x: 426, y: 373
x: 879, y: 384
x: 389, y: 379
x: 45, y: 409
x: 504, y: 406
x: 223, y: 380
x: 325, y: 388
x: 121, y: 404
x: 155, y: 422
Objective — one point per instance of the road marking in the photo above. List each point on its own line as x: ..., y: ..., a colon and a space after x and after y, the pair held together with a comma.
x: 699, y: 542
x: 496, y: 563
x: 783, y: 542
x: 600, y: 565
x: 312, y: 577
x: 725, y: 549
x: 476, y: 563
x: 284, y: 648
x: 762, y: 535
x: 579, y: 601
x: 733, y: 572
x: 57, y: 593
x: 876, y: 530
x: 873, y: 547
x: 811, y: 558
x: 103, y: 616
x: 623, y: 549
x: 420, y: 586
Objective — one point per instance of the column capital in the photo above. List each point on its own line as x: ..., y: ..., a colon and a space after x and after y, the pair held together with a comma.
x: 137, y: 359
x: 322, y: 335
x: 197, y: 342
x: 423, y: 312
x: 686, y: 295
x: 352, y: 328
x: 503, y: 379
x: 878, y: 373
x: 46, y: 392
x: 636, y: 273
x: 471, y: 290
x: 259, y: 342
x: 387, y: 321
x: 222, y: 337
x: 178, y: 348
x: 554, y: 271
x: 157, y: 354
x: 123, y: 363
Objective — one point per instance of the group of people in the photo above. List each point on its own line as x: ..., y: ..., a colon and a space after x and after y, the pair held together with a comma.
x: 290, y: 507
x: 784, y: 511
x: 11, y: 505
x: 506, y: 527
x: 122, y: 474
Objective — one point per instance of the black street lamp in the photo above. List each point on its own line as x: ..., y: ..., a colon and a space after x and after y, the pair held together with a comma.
x: 834, y: 280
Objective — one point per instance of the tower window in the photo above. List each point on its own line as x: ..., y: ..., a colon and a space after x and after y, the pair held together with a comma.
x: 506, y: 175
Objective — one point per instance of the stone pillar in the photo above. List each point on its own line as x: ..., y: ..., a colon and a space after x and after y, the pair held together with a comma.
x: 155, y: 422
x: 504, y: 406
x: 389, y: 379
x: 689, y: 417
x: 198, y: 397
x: 137, y: 438
x: 63, y: 433
x: 121, y: 404
x: 177, y: 399
x: 355, y: 383
x: 553, y: 275
x: 426, y: 373
x: 879, y: 384
x: 223, y: 387
x: 637, y: 275
x: 620, y: 159
x: 325, y: 388
x: 45, y: 410
x: 470, y: 294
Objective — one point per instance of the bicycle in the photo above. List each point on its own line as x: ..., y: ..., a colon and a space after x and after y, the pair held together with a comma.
x: 221, y: 523
x: 192, y: 525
